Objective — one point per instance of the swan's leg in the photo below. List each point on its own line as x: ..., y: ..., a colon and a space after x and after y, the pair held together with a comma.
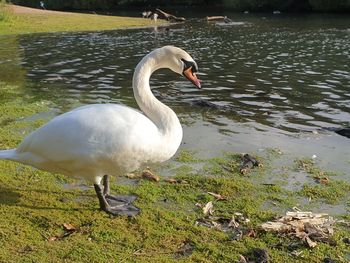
x: 101, y: 198
x: 106, y: 184
x: 115, y: 207
x: 111, y: 198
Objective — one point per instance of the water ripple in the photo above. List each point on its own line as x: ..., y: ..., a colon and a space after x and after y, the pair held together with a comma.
x: 288, y: 76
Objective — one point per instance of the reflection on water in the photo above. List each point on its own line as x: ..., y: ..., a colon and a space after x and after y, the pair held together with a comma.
x: 282, y: 77
x: 10, y: 58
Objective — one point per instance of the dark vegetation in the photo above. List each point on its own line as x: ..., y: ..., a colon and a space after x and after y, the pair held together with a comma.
x: 233, y: 5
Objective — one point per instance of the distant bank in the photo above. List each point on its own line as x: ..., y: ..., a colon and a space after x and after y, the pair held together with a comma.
x: 225, y: 5
x: 16, y: 19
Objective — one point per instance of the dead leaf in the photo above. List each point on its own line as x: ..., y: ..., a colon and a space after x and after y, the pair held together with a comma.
x: 150, y: 176
x: 243, y: 170
x: 296, y: 253
x: 175, y: 181
x: 230, y: 226
x: 54, y: 238
x: 133, y: 176
x: 69, y: 230
x: 233, y: 223
x: 311, y: 243
x: 242, y: 259
x: 251, y: 233
x: 241, y: 218
x: 172, y: 181
x: 218, y: 197
x: 321, y: 179
x: 69, y: 227
x: 208, y: 208
x: 324, y: 180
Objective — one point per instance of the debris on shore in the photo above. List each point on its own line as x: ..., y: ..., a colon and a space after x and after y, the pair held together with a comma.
x: 176, y: 181
x: 248, y: 162
x: 235, y: 225
x: 307, y: 226
x: 147, y: 174
x: 218, y: 197
x: 222, y: 223
x: 321, y: 179
x: 208, y: 208
x: 69, y: 229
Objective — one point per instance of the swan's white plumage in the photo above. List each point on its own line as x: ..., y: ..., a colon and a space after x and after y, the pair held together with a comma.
x: 92, y: 141
x: 100, y: 139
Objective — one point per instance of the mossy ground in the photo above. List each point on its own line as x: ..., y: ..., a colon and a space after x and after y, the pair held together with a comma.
x: 35, y: 205
x: 25, y: 23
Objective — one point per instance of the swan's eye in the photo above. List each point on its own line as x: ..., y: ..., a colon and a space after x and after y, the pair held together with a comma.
x: 189, y: 64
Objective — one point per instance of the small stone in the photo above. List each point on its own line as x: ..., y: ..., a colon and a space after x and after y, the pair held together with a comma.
x: 261, y: 255
x: 346, y: 240
x: 328, y: 260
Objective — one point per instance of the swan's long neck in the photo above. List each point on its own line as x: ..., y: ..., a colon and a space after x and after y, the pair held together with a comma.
x: 161, y: 115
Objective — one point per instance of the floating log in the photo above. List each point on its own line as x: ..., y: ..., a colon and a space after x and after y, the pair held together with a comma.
x: 214, y: 18
x: 170, y: 17
x: 219, y: 18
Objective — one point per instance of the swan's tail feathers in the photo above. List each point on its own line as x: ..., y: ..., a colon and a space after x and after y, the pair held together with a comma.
x: 8, y: 154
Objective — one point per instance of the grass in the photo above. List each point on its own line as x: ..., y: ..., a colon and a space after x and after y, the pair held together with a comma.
x: 36, y: 207
x: 11, y: 23
x: 5, y: 13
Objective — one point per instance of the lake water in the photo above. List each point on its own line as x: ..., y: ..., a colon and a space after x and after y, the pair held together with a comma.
x: 284, y: 78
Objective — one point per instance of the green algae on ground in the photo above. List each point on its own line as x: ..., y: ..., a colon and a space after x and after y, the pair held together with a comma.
x: 35, y: 207
x: 331, y: 193
x: 27, y: 23
x: 308, y: 165
x: 330, y: 190
x: 186, y: 156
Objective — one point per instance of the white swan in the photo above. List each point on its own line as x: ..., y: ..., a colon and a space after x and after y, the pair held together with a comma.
x: 98, y: 140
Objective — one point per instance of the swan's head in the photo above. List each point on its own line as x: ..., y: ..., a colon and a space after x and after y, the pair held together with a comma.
x: 180, y: 62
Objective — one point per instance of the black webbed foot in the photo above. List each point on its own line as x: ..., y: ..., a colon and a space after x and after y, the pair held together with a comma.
x: 122, y: 210
x: 115, y: 205
x: 121, y: 198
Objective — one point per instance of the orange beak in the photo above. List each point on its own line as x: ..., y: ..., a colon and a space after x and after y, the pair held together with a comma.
x: 188, y: 73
